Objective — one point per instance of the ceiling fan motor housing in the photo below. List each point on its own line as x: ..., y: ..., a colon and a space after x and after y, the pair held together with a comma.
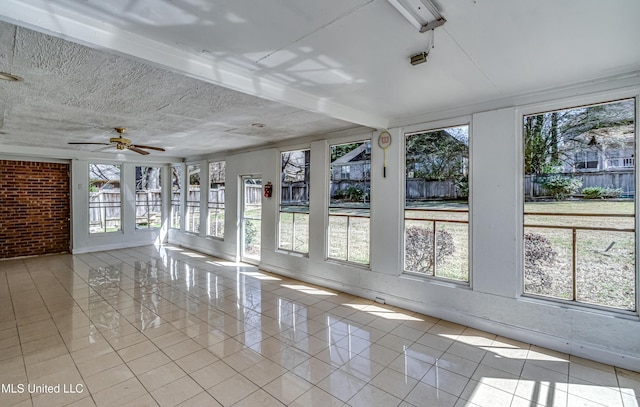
x: 120, y: 142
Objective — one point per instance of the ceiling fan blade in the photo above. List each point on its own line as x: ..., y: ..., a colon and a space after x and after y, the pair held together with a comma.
x: 102, y: 144
x: 103, y: 148
x: 137, y: 150
x: 148, y: 147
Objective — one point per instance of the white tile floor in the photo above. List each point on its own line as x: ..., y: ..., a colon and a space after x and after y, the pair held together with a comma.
x: 147, y: 327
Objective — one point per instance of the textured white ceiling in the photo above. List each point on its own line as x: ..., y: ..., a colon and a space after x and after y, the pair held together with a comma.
x: 73, y: 93
x: 324, y: 66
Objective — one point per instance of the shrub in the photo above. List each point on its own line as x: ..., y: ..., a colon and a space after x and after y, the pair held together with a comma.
x: 538, y: 255
x: 462, y: 184
x: 592, y: 192
x: 561, y: 186
x: 601, y: 193
x: 350, y: 193
x: 419, y: 248
x: 612, y: 193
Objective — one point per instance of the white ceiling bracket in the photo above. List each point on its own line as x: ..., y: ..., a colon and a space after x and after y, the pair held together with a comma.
x: 432, y: 25
x: 422, y: 14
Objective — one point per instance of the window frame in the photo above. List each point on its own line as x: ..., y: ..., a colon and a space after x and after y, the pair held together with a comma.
x: 427, y: 128
x: 566, y: 103
x: 187, y: 202
x: 121, y: 206
x: 217, y: 204
x: 180, y: 200
x: 278, y: 191
x: 148, y: 204
x: 327, y: 213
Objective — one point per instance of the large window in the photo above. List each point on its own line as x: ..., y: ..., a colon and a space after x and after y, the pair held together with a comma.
x: 579, y: 211
x: 176, y: 197
x: 148, y: 198
x: 349, y: 202
x: 294, y: 201
x: 215, y: 224
x: 105, y: 203
x: 192, y: 216
x: 436, y: 232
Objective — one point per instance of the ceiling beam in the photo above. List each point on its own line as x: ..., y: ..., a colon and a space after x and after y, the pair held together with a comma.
x: 54, y: 19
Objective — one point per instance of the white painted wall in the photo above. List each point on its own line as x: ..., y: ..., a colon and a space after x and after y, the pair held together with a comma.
x: 492, y: 302
x: 264, y: 163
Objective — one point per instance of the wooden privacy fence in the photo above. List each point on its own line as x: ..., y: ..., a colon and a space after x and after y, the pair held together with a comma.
x: 418, y: 189
x: 293, y: 192
x: 253, y: 194
x: 623, y: 179
x: 216, y: 195
x: 105, y: 205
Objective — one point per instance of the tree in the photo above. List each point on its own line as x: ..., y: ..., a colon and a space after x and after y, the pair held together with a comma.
x: 147, y: 178
x: 553, y: 138
x: 438, y: 155
x: 340, y: 150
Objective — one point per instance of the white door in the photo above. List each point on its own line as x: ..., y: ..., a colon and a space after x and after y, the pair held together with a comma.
x: 251, y: 215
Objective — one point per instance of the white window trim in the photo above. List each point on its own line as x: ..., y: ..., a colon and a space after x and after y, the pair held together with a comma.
x: 425, y: 128
x: 561, y: 104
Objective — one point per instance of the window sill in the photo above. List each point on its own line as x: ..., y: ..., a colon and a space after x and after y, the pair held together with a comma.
x: 580, y: 307
x: 435, y: 280
x: 348, y: 263
x: 292, y: 253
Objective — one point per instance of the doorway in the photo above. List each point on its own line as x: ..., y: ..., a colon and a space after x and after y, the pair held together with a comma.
x: 251, y: 218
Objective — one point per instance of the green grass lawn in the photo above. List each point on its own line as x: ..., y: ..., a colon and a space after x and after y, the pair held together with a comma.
x: 605, y: 260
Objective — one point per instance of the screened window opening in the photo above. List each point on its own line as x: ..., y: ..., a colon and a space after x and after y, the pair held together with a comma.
x: 294, y: 201
x: 436, y: 225
x: 105, y: 202
x: 215, y: 203
x: 192, y: 215
x: 579, y: 212
x: 148, y: 198
x: 349, y: 202
x: 176, y: 197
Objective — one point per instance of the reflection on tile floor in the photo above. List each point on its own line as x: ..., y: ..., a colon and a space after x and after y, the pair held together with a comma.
x: 167, y: 326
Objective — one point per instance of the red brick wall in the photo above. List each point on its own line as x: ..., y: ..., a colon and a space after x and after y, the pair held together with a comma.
x: 34, y: 208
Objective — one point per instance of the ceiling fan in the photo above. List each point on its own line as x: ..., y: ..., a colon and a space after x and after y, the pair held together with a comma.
x: 122, y: 143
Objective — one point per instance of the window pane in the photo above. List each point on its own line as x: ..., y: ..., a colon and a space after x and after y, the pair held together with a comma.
x: 294, y: 201
x: 148, y: 198
x: 436, y: 203
x: 301, y: 232
x: 349, y: 202
x: 338, y: 237
x: 176, y: 197
x: 286, y: 230
x: 215, y: 226
x: 192, y: 216
x: 546, y: 255
x: 105, y: 214
x: 579, y: 213
x: 252, y: 235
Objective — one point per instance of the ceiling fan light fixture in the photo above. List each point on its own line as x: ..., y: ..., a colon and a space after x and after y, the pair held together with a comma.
x: 5, y: 76
x: 121, y: 143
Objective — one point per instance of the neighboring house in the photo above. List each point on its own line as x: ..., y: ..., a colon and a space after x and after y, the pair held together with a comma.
x: 605, y: 149
x: 355, y: 165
